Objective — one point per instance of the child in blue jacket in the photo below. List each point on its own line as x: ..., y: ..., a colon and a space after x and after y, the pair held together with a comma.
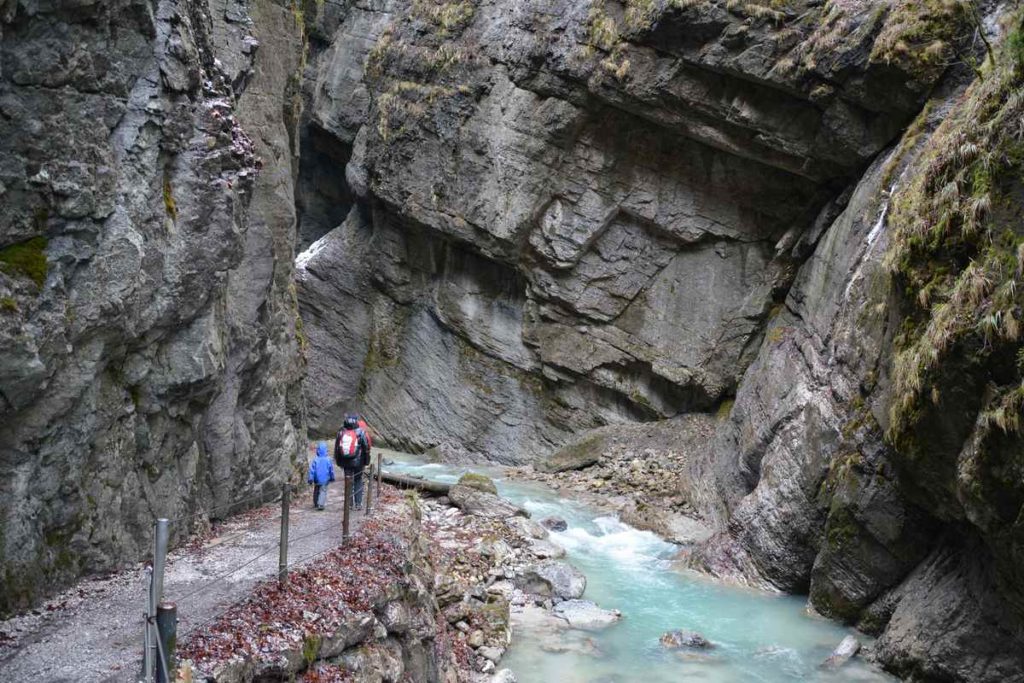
x: 321, y: 473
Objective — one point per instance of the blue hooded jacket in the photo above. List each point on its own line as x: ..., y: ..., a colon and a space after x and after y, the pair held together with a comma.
x: 321, y: 470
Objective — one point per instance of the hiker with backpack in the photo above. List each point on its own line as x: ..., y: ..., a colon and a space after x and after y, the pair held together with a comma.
x: 321, y: 473
x: 352, y: 453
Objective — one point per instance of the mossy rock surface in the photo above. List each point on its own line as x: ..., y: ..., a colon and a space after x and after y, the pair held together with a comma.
x: 478, y: 482
x: 575, y: 456
x: 26, y: 259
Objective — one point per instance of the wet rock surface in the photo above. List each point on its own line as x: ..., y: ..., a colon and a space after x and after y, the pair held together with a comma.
x: 554, y: 523
x: 675, y: 640
x: 586, y: 615
x: 846, y: 649
x: 150, y: 365
x: 554, y: 579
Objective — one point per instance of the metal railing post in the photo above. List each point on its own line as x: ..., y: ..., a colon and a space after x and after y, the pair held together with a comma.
x: 150, y: 656
x: 159, y: 562
x: 282, y: 562
x: 368, y: 484
x: 167, y: 639
x: 346, y: 507
x: 147, y: 633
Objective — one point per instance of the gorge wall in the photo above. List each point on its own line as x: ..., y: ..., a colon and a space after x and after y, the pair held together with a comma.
x: 519, y: 221
x: 565, y: 215
x: 149, y: 365
x: 562, y: 216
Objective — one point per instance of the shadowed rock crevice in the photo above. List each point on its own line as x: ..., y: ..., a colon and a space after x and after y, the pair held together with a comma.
x: 323, y: 198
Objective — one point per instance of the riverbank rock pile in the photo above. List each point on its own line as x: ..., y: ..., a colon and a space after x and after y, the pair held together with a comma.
x: 364, y: 612
x: 637, y: 470
x: 496, y: 570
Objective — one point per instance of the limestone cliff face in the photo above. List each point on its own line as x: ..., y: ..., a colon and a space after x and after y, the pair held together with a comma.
x: 872, y: 457
x: 569, y: 215
x: 149, y: 365
x: 564, y: 215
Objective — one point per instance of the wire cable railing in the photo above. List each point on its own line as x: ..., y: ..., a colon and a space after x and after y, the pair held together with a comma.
x: 265, y: 498
x: 284, y: 544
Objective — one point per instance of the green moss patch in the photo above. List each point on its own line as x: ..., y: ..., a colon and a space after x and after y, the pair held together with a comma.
x: 956, y: 256
x: 478, y: 482
x: 26, y: 259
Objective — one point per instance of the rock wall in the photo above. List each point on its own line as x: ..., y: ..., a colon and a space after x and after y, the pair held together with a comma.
x: 567, y: 215
x: 574, y: 215
x: 149, y: 366
x: 859, y: 461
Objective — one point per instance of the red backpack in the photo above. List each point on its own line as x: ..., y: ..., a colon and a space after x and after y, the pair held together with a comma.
x: 346, y: 447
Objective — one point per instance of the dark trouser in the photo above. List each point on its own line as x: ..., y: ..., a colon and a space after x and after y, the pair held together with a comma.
x: 320, y: 495
x: 357, y: 487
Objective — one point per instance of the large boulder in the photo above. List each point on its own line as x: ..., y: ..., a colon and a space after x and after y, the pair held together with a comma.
x: 574, y: 456
x: 544, y: 550
x: 482, y: 504
x: 554, y: 579
x: 479, y: 482
x: 526, y: 528
x: 586, y: 615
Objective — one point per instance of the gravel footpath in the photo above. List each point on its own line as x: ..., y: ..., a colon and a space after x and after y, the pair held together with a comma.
x: 93, y: 631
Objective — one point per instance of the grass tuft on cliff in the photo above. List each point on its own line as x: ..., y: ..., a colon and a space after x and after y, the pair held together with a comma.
x: 26, y: 259
x: 920, y: 36
x: 957, y: 256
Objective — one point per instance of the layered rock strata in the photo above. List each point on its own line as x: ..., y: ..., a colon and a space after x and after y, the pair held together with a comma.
x: 564, y: 216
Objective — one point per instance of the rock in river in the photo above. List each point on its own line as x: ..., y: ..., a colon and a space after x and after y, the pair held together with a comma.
x: 546, y: 550
x: 475, y: 502
x: 585, y: 615
x: 675, y: 640
x: 847, y: 648
x: 554, y: 523
x: 556, y: 579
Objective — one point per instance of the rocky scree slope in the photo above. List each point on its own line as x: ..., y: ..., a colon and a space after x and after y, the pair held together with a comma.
x: 149, y: 365
x: 558, y: 216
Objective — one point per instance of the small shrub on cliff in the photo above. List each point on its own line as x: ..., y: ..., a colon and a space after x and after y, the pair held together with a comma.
x: 447, y: 17
x: 602, y: 31
x: 170, y: 206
